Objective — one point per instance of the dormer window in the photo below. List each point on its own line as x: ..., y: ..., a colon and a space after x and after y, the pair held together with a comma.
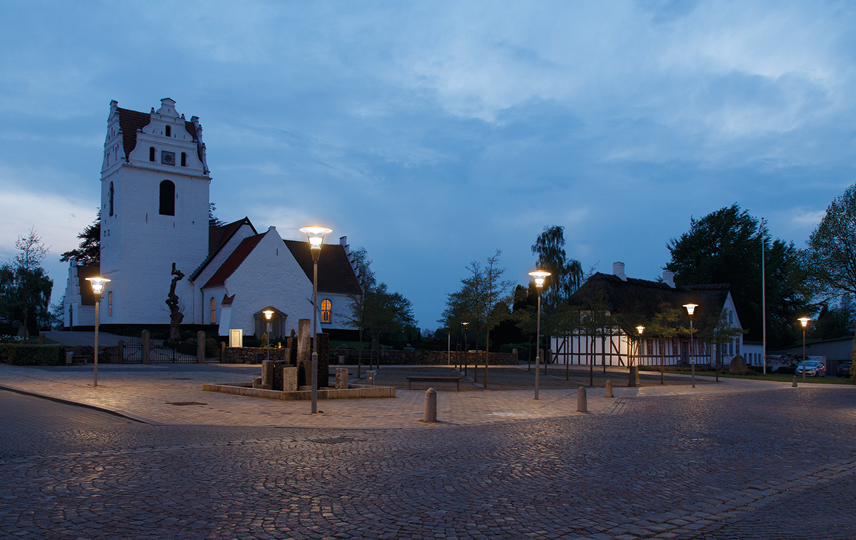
x: 184, y: 159
x: 151, y: 153
x: 168, y: 131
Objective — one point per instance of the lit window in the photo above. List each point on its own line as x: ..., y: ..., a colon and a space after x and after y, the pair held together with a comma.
x: 326, y: 311
x: 110, y: 303
x: 213, y: 311
x: 167, y: 198
x: 151, y: 153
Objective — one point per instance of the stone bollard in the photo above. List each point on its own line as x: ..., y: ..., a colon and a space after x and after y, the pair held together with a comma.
x: 430, y: 415
x: 341, y: 378
x: 200, y: 347
x: 634, y: 377
x: 289, y: 379
x: 609, y: 389
x: 582, y: 405
x: 794, y: 384
x: 267, y: 375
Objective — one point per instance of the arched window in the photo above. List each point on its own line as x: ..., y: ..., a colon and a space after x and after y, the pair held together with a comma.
x: 151, y: 153
x: 184, y: 159
x: 213, y: 311
x: 110, y: 198
x: 168, y: 131
x: 167, y: 198
x: 326, y: 311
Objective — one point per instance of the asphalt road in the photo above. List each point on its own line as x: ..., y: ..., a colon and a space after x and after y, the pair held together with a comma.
x: 776, y: 464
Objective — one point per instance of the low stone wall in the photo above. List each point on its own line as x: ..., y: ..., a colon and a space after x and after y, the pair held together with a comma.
x: 304, y: 395
x: 431, y: 358
x: 252, y: 355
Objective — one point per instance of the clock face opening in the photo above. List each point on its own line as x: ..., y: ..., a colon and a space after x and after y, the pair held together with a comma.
x: 167, y: 158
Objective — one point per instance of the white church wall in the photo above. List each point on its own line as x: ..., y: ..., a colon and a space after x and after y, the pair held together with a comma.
x: 341, y: 310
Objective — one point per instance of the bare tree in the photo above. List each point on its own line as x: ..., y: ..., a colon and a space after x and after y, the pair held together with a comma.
x: 31, y: 252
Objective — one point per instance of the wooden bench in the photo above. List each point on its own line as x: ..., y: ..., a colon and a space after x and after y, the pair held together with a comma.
x: 428, y: 378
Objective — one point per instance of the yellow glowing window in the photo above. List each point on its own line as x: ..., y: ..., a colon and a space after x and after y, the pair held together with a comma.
x: 213, y: 311
x: 326, y: 311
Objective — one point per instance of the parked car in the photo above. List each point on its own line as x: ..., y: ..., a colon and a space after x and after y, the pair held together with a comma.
x: 844, y: 369
x: 813, y: 368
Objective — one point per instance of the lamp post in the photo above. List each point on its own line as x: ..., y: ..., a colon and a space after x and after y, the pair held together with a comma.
x: 466, y: 351
x: 634, y: 377
x: 268, y: 313
x: 804, y: 323
x: 97, y: 289
x: 690, y: 310
x: 315, y: 235
x: 539, y: 276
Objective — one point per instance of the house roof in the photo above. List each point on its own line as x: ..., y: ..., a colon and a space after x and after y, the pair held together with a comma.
x: 132, y: 121
x: 235, y: 259
x: 335, y: 273
x: 87, y: 297
x: 217, y: 238
x: 643, y: 298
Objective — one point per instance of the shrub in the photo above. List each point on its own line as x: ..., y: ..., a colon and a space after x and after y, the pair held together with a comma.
x: 32, y: 355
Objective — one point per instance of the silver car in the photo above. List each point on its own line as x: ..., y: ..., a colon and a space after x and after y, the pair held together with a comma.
x: 812, y: 368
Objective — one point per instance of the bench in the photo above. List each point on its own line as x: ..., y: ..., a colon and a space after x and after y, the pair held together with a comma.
x: 427, y: 378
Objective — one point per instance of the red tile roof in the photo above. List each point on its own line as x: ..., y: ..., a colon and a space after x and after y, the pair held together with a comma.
x: 217, y: 238
x: 234, y: 261
x: 132, y: 121
x: 335, y: 273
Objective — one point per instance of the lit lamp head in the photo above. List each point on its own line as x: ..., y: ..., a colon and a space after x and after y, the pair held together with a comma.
x: 315, y: 235
x: 539, y: 276
x: 690, y: 308
x: 268, y: 313
x: 97, y: 285
x: 640, y: 329
x: 804, y: 321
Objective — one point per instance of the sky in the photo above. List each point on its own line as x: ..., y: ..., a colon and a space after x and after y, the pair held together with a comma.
x: 434, y: 133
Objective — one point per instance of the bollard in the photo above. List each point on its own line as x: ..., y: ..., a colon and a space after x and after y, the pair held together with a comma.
x: 267, y: 375
x: 430, y: 415
x: 608, y: 388
x: 794, y: 385
x: 582, y: 406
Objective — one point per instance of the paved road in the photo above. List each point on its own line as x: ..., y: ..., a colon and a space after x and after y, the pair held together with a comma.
x: 770, y: 464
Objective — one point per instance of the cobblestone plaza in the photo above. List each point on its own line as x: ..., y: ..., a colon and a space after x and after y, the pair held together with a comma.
x: 730, y: 460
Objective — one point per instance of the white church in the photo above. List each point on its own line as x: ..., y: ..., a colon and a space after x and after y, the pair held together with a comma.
x: 155, y: 213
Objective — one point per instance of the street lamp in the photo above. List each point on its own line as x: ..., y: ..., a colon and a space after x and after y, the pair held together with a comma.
x: 97, y: 289
x: 466, y: 351
x: 539, y: 276
x: 315, y: 235
x: 690, y: 310
x: 268, y: 313
x: 634, y: 370
x: 804, y: 323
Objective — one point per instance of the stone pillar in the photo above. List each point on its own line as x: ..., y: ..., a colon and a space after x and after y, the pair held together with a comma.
x: 200, y: 347
x: 146, y: 347
x: 341, y: 378
x: 222, y: 352
x: 120, y: 354
x: 304, y: 348
x: 609, y: 389
x: 289, y: 379
x: 289, y: 351
x: 267, y: 375
x: 430, y: 415
x: 634, y: 377
x: 582, y: 403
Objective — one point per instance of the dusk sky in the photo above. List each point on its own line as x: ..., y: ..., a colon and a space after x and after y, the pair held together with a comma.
x: 434, y: 133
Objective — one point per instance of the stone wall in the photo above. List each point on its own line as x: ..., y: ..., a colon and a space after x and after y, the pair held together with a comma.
x: 253, y: 355
x: 415, y: 357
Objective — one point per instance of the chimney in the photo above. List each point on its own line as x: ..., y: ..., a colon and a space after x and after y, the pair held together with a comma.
x: 669, y: 278
x: 618, y: 270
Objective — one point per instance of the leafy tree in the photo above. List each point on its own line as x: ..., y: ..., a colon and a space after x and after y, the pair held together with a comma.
x: 590, y: 317
x: 718, y: 331
x: 666, y: 325
x: 565, y: 274
x: 213, y: 221
x: 725, y: 247
x: 88, y: 253
x: 25, y: 288
x: 358, y: 314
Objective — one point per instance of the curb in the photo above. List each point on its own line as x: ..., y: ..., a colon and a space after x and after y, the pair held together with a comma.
x: 123, y: 414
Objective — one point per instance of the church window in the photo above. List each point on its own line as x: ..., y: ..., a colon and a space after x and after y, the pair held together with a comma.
x: 167, y: 198
x: 168, y: 131
x: 213, y: 311
x: 184, y: 159
x: 326, y: 311
x: 110, y: 198
x: 110, y: 303
x: 151, y: 153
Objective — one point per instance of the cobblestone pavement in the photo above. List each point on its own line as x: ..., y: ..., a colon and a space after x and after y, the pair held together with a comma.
x: 725, y: 461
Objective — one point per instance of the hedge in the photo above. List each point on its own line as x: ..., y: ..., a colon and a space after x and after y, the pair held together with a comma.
x: 32, y: 355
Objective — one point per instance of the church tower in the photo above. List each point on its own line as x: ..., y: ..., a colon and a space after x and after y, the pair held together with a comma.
x: 154, y: 211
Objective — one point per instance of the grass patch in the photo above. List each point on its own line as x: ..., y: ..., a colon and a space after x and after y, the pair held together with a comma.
x: 779, y: 377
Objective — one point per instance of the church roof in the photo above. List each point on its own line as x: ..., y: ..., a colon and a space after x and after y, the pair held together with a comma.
x: 219, y: 237
x: 234, y: 261
x: 130, y: 122
x: 335, y: 273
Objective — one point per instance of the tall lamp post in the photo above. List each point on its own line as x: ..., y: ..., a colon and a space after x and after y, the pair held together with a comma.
x: 634, y: 376
x: 97, y: 289
x: 466, y: 350
x: 268, y: 314
x: 804, y: 323
x: 539, y: 276
x: 315, y: 235
x: 690, y: 310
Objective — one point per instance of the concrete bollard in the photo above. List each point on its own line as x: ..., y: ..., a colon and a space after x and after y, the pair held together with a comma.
x: 609, y: 389
x: 267, y: 375
x: 341, y: 378
x: 430, y: 415
x: 200, y: 347
x: 794, y: 385
x: 582, y: 405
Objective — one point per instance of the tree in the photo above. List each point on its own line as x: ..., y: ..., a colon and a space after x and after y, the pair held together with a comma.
x: 88, y: 253
x: 725, y: 247
x: 666, y: 325
x: 213, y: 221
x: 718, y: 331
x: 30, y: 277
x: 358, y: 315
x: 565, y: 277
x: 589, y: 316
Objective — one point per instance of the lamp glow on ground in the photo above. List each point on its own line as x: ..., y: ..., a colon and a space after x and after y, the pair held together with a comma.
x: 804, y: 322
x: 690, y: 310
x: 315, y: 235
x: 97, y: 289
x: 539, y: 276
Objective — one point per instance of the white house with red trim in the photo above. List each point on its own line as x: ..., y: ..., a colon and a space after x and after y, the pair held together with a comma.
x: 155, y: 213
